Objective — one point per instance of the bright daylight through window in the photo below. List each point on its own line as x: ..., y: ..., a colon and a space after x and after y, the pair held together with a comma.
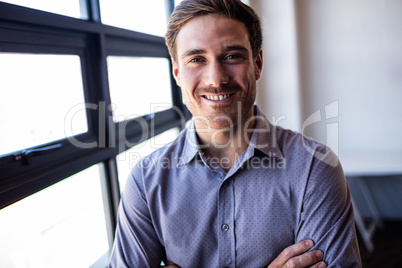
x: 131, y: 77
x: 62, y: 7
x: 60, y: 226
x: 40, y: 90
x: 142, y: 16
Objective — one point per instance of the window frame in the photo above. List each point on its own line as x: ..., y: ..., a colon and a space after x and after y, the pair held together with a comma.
x: 26, y: 30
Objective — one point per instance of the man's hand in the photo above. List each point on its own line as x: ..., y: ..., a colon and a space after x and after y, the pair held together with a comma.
x: 295, y: 257
x: 291, y: 257
x: 169, y: 264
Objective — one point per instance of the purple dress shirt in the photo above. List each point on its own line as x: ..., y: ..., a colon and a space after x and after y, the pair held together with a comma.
x: 181, y: 206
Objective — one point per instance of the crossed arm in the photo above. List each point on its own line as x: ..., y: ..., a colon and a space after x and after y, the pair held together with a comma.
x: 295, y: 256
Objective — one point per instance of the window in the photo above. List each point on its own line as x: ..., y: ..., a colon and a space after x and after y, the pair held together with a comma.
x: 77, y: 95
x: 177, y: 2
x: 131, y: 77
x: 62, y: 7
x: 63, y: 222
x: 36, y: 105
x: 138, y: 15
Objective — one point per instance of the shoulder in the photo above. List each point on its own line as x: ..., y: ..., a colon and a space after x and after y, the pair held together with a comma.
x: 295, y: 145
x: 169, y: 152
x: 313, y: 165
x: 152, y: 170
x: 156, y: 168
x: 323, y: 172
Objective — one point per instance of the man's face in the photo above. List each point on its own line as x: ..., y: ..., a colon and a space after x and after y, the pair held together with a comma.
x: 216, y: 70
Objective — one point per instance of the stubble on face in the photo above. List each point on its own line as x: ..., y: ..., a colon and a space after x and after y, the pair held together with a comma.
x: 240, y: 76
x: 220, y: 116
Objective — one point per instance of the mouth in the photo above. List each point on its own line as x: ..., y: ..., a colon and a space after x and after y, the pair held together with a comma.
x: 218, y: 97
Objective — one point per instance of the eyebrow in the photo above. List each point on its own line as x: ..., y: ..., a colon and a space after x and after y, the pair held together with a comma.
x: 192, y: 52
x: 235, y: 48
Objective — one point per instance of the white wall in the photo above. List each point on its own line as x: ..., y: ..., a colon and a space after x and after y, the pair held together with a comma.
x: 278, y: 88
x: 341, y: 60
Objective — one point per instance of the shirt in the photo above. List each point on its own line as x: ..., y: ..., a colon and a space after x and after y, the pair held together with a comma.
x: 284, y: 188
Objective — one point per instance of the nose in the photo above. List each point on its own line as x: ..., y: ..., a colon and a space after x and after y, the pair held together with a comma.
x: 216, y: 74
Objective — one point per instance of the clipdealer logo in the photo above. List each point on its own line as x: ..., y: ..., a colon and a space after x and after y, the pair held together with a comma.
x: 107, y: 134
x: 332, y: 133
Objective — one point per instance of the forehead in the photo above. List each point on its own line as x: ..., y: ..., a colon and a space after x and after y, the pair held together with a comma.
x: 211, y: 33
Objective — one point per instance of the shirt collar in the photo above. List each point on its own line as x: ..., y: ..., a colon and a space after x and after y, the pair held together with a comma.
x: 191, y: 147
x: 265, y: 136
x: 264, y: 139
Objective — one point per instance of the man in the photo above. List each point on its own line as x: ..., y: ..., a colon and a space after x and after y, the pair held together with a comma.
x: 232, y: 190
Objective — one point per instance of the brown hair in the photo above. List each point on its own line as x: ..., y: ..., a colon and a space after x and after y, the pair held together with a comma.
x: 234, y: 9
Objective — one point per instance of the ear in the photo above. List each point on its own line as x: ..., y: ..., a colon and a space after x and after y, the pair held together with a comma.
x: 258, y: 65
x: 176, y: 72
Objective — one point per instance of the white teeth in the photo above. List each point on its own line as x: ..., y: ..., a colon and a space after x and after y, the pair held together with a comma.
x: 216, y: 97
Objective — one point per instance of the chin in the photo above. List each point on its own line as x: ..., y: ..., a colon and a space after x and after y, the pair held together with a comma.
x: 223, y: 122
x: 221, y: 125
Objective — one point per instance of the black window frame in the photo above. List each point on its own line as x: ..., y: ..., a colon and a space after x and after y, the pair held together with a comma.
x: 26, y: 30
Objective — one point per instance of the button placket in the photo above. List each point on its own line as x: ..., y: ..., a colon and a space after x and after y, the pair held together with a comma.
x: 226, y: 216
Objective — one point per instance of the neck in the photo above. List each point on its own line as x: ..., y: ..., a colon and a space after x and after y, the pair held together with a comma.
x: 225, y: 145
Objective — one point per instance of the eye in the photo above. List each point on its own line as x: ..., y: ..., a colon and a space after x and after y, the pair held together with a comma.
x: 231, y: 57
x: 196, y: 60
x: 234, y: 57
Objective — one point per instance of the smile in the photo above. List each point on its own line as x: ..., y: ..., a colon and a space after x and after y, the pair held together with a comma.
x: 217, y: 97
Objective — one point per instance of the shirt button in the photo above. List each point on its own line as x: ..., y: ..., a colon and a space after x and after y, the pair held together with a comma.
x: 225, y: 227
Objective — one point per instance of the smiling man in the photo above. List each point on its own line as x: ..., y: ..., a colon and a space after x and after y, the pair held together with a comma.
x: 217, y: 72
x: 237, y: 191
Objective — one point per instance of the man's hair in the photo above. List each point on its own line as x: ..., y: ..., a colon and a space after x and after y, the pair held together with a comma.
x: 233, y: 9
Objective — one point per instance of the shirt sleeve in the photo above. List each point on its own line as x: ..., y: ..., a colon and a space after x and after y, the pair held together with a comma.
x: 327, y: 213
x: 136, y: 243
